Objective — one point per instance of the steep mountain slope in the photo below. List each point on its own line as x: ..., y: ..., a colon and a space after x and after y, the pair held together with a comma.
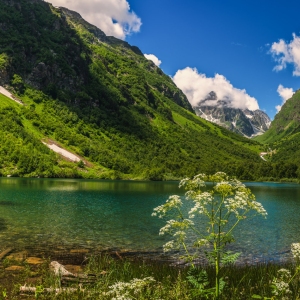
x: 244, y: 122
x: 283, y: 137
x: 100, y: 98
x: 286, y: 123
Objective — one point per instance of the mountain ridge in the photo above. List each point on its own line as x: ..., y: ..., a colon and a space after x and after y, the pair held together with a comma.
x: 103, y: 101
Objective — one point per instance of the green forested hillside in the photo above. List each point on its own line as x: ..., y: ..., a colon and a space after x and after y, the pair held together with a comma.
x: 102, y: 99
x: 286, y: 123
x: 283, y: 137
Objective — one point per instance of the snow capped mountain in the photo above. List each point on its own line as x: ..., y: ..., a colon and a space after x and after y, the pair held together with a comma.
x: 242, y: 121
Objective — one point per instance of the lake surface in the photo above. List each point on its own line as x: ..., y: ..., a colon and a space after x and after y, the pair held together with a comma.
x: 117, y: 215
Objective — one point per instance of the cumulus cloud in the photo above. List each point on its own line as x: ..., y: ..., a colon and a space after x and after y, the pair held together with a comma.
x: 287, y: 53
x: 113, y: 17
x: 285, y: 94
x: 197, y: 86
x: 153, y: 58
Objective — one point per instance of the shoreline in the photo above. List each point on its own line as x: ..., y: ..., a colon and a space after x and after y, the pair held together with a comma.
x: 291, y: 181
x: 77, y: 255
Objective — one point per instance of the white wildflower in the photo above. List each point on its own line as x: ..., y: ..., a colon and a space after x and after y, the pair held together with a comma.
x: 243, y: 201
x: 204, y: 198
x: 296, y: 250
x: 259, y: 208
x: 123, y: 290
x: 237, y: 203
x: 281, y: 285
x: 175, y: 225
x: 191, y: 194
x: 201, y: 242
x: 198, y: 180
x: 168, y: 227
x: 223, y: 188
x: 200, y: 176
x: 173, y: 202
x: 218, y: 177
x: 236, y: 183
x: 201, y: 201
x: 180, y: 235
x: 184, y: 182
x: 281, y: 288
x: 284, y: 274
x: 169, y: 246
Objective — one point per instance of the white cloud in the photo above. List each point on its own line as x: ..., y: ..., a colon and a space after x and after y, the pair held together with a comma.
x: 285, y: 94
x: 111, y: 16
x: 153, y: 58
x: 196, y: 87
x: 287, y: 53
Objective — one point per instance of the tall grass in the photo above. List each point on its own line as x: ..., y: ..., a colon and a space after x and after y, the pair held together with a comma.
x: 170, y: 281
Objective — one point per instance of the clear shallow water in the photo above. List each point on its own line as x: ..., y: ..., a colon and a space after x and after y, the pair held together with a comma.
x: 117, y: 215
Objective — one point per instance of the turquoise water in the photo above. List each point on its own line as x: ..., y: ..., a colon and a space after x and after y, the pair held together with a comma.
x: 117, y: 215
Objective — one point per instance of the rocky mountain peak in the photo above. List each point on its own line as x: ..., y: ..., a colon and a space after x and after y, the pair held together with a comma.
x: 242, y: 121
x: 211, y: 96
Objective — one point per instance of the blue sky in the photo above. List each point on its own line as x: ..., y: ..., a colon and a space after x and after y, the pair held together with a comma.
x: 231, y: 38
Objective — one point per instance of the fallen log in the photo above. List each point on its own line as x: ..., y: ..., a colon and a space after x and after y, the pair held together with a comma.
x: 28, y: 289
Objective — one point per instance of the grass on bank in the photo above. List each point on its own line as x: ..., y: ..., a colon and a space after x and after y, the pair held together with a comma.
x: 170, y: 282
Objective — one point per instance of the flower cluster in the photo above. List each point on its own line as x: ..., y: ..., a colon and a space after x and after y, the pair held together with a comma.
x: 201, y: 201
x: 170, y: 246
x: 259, y: 208
x: 237, y: 203
x: 218, y: 177
x: 244, y: 201
x: 295, y: 248
x: 281, y: 284
x: 172, y: 203
x: 175, y: 225
x: 124, y: 290
x: 196, y: 183
x: 224, y: 188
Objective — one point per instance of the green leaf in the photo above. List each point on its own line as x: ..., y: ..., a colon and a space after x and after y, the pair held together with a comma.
x: 229, y: 257
x: 222, y: 284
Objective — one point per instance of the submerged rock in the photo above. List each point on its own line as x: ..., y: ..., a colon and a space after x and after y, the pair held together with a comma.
x: 15, y: 268
x: 34, y: 260
x: 18, y: 256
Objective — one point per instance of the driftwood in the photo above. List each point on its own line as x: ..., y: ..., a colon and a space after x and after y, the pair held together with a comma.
x: 60, y: 271
x: 65, y: 276
x: 28, y: 289
x: 5, y: 252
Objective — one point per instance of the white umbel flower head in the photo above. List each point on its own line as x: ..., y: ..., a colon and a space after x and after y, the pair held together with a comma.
x: 173, y: 202
x: 281, y: 284
x: 295, y: 248
x: 124, y: 290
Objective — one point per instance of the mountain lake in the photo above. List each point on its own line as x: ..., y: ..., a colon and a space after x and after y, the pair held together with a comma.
x: 116, y: 216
